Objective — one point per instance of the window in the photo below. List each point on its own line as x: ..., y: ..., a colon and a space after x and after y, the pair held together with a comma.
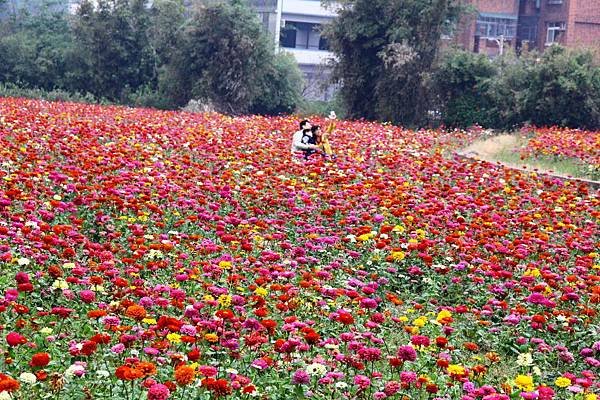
x: 555, y: 32
x: 494, y: 27
x: 302, y: 35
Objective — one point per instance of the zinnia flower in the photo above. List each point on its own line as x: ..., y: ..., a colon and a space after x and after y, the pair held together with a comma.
x: 158, y: 391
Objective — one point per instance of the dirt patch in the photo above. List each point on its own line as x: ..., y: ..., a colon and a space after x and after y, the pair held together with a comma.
x: 490, y: 148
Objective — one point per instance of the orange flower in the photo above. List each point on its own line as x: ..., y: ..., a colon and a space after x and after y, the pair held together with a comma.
x: 96, y: 313
x: 8, y: 384
x: 136, y: 312
x: 471, y: 346
x: 185, y: 375
x: 127, y: 373
x: 147, y: 368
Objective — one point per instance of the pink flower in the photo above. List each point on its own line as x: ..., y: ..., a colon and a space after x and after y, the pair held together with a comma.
x: 362, y: 381
x: 87, y: 296
x: 406, y: 353
x: 158, y: 392
x: 300, y: 377
x: 392, y: 387
x: 14, y: 339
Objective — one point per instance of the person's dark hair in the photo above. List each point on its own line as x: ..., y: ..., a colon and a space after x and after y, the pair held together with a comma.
x: 303, y: 122
x: 315, y: 128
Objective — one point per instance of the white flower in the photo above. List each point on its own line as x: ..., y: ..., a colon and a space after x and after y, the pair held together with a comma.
x: 4, y: 395
x: 73, y: 370
x: 103, y: 373
x: 525, y: 360
x: 23, y: 261
x: 316, y: 369
x: 341, y: 385
x: 28, y: 378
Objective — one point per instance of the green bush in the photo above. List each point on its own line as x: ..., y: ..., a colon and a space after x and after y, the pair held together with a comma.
x: 560, y: 87
x: 460, y: 82
x: 281, y: 87
x: 308, y: 107
x: 14, y: 90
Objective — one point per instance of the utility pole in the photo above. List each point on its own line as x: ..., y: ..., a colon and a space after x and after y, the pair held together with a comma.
x: 279, y: 13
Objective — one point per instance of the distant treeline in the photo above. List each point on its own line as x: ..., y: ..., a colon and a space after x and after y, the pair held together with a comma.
x: 389, y: 65
x: 159, y: 55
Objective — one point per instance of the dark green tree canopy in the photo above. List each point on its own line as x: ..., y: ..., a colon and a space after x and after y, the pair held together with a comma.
x: 385, y: 52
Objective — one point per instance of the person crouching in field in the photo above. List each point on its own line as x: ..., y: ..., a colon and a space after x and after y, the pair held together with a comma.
x: 304, y: 142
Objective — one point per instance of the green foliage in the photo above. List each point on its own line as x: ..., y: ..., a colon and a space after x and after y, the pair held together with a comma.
x: 13, y: 90
x: 33, y: 49
x: 281, y: 85
x: 565, y: 90
x: 386, y: 50
x: 559, y: 88
x: 223, y: 58
x: 319, y: 107
x: 112, y: 50
x: 460, y: 82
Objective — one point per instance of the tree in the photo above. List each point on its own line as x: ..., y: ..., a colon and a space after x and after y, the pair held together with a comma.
x: 224, y: 58
x: 460, y: 83
x: 112, y: 51
x: 281, y: 86
x: 33, y: 47
x: 565, y: 89
x: 385, y: 53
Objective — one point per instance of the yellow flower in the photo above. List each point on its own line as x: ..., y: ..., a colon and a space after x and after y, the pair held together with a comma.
x: 225, y: 264
x: 60, y: 284
x: 149, y: 321
x: 420, y: 322
x: 455, y: 369
x: 524, y: 382
x: 398, y: 229
x: 211, y: 337
x: 562, y: 382
x: 443, y: 315
x: 591, y: 396
x: 532, y: 272
x: 46, y: 331
x: 208, y: 297
x: 364, y: 237
x: 174, y: 338
x: 261, y: 291
x: 224, y: 300
x: 398, y: 255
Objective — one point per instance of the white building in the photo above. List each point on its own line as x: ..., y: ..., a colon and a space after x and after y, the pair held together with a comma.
x: 296, y: 28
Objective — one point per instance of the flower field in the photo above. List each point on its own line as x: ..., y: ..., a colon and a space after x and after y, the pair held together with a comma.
x: 566, y: 144
x: 164, y: 255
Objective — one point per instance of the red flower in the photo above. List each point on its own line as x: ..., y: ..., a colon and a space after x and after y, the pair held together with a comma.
x: 39, y: 360
x: 88, y: 347
x: 14, y: 339
x: 8, y: 384
x: 345, y: 318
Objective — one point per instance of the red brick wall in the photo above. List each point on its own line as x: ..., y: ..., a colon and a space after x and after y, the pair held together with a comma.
x: 584, y: 29
x: 497, y: 6
x: 552, y: 13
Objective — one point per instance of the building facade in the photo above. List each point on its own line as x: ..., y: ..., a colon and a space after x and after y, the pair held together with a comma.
x: 296, y: 28
x: 530, y: 24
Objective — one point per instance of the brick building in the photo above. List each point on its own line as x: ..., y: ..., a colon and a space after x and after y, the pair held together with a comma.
x: 533, y: 24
